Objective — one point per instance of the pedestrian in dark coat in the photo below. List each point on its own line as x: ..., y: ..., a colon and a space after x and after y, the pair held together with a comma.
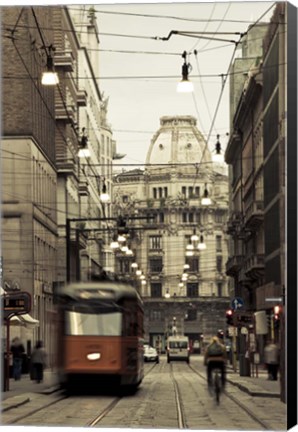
x: 39, y: 361
x: 17, y: 349
x: 271, y: 359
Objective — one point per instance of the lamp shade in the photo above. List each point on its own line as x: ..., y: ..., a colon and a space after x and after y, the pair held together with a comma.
x: 114, y: 245
x: 185, y: 86
x: 49, y: 78
x: 218, y: 157
x: 206, y: 201
x: 104, y: 197
x: 84, y: 152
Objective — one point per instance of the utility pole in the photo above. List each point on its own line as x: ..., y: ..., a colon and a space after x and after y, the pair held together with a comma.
x: 68, y: 242
x: 120, y: 224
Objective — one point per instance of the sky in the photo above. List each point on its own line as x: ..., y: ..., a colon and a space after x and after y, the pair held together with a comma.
x: 139, y: 74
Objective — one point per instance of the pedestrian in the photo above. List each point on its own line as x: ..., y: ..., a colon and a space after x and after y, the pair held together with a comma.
x: 271, y: 359
x: 17, y: 349
x: 39, y: 361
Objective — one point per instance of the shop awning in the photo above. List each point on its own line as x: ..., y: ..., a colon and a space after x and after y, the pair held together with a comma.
x: 25, y: 320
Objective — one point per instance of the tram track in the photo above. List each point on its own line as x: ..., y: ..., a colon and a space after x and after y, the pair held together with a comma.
x: 64, y: 396
x: 109, y: 405
x: 179, y: 405
x: 112, y: 405
x: 36, y: 410
x: 237, y: 402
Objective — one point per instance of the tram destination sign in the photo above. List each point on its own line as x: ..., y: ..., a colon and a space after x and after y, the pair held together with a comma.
x: 16, y: 304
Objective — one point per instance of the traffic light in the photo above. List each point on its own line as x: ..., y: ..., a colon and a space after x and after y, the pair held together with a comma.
x: 277, y: 311
x: 229, y: 317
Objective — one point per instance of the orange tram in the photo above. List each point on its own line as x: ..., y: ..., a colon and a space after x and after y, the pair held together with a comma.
x: 100, y: 334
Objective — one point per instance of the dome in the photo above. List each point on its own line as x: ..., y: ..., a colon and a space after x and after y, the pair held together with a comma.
x: 178, y: 140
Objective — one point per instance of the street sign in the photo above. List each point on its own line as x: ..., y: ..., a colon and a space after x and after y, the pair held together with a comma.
x: 237, y: 303
x: 16, y: 304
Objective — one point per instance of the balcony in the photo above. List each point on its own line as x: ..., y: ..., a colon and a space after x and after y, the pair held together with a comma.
x: 254, y: 215
x: 66, y: 166
x: 243, y: 280
x: 67, y: 113
x: 254, y: 266
x: 84, y: 188
x: 81, y: 98
x: 64, y: 61
x: 234, y: 222
x: 233, y: 265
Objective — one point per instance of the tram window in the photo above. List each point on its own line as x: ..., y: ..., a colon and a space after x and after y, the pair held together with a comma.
x: 93, y: 325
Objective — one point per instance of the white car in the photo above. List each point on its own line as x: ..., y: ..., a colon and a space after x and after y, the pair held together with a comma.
x: 150, y: 354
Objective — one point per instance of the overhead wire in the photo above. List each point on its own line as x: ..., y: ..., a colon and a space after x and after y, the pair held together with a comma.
x: 42, y: 98
x: 38, y: 90
x: 207, y: 138
x: 193, y: 94
x: 197, y: 63
x: 28, y: 158
x: 148, y: 77
x: 17, y: 21
x: 216, y: 30
x: 224, y: 79
x: 165, y: 16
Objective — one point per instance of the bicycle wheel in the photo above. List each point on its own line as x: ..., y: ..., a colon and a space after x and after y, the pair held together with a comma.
x: 217, y: 387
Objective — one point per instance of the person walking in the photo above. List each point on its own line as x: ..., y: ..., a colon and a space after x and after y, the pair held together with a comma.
x: 39, y: 361
x: 17, y: 349
x: 271, y: 359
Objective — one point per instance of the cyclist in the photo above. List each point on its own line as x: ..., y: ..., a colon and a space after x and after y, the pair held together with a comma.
x: 215, y: 357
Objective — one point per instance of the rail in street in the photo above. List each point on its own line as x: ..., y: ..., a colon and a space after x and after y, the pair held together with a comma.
x: 171, y: 395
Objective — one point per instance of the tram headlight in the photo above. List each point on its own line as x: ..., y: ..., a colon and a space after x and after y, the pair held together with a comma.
x: 93, y: 356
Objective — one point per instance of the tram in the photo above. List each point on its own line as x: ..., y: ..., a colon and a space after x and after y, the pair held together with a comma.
x: 101, y: 334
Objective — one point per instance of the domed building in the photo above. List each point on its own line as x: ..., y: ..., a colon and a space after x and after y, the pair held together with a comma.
x: 178, y: 243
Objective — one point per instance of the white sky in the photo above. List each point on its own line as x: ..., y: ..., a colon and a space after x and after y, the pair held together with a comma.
x: 136, y: 105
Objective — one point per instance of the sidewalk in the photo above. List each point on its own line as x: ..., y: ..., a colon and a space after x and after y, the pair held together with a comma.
x: 19, y: 391
x: 260, y: 386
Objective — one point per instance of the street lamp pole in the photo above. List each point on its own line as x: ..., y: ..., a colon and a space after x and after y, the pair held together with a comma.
x: 68, y: 230
x: 68, y: 249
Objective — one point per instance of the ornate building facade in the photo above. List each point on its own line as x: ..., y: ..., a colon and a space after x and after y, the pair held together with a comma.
x: 183, y: 285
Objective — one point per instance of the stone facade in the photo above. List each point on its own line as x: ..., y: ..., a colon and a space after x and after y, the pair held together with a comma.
x: 44, y: 183
x: 164, y: 204
x: 28, y: 174
x: 256, y: 153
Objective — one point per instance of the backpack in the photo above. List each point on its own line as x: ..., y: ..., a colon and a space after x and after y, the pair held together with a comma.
x: 215, y: 350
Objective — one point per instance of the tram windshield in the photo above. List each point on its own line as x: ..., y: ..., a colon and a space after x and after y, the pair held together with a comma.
x: 87, y: 323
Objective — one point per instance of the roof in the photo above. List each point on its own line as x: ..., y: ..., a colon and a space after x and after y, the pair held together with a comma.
x: 106, y: 289
x: 178, y: 140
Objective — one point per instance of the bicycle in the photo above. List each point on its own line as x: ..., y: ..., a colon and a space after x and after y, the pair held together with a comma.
x: 216, y: 384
